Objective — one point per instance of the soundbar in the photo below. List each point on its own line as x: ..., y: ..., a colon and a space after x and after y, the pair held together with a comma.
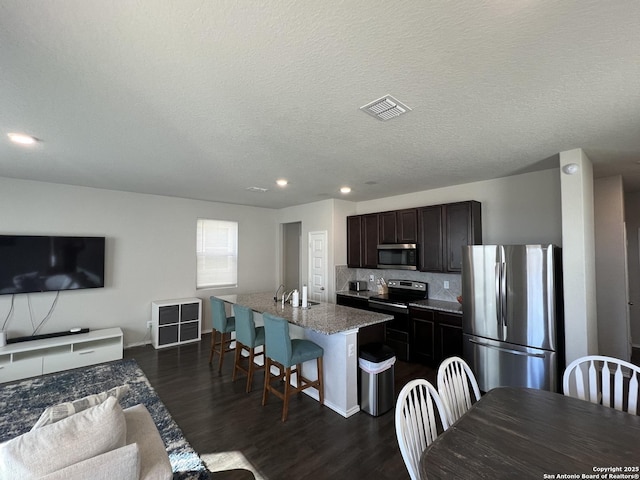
x: 73, y: 331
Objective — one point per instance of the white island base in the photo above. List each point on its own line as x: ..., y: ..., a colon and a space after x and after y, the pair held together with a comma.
x: 340, y: 366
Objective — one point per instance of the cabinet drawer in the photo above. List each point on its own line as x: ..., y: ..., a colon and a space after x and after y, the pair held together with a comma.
x: 399, y: 335
x: 83, y: 356
x: 22, y: 368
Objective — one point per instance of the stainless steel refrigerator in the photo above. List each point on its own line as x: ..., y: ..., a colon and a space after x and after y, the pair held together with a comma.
x: 512, y: 315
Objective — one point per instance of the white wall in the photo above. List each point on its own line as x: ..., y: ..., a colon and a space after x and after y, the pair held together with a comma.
x: 519, y: 209
x: 150, y: 252
x: 578, y: 255
x: 610, y: 258
x: 632, y: 217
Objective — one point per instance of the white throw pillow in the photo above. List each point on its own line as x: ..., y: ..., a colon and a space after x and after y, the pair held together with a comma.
x: 91, y: 432
x: 56, y: 413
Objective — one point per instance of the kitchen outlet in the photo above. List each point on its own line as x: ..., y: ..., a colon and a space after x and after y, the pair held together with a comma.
x: 446, y: 284
x: 372, y: 278
x: 149, y: 324
x: 351, y: 350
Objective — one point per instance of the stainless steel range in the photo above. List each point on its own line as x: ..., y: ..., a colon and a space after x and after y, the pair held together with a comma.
x: 396, y: 301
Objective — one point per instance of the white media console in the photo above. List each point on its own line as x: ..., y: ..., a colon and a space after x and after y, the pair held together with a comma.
x: 48, y: 355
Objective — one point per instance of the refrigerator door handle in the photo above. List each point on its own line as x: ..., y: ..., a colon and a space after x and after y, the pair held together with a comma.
x: 503, y: 297
x: 498, y: 278
x: 507, y: 350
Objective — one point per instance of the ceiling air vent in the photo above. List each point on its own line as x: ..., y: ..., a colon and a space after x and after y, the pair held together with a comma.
x: 385, y: 108
x: 257, y: 189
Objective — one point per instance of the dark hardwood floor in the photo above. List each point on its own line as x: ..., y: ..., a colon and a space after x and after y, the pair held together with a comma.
x: 217, y: 416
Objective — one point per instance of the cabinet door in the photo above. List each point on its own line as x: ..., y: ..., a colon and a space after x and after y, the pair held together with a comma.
x: 462, y: 228
x: 407, y: 226
x: 387, y: 225
x: 431, y: 239
x: 354, y: 241
x: 450, y: 341
x: 423, y: 336
x: 370, y: 241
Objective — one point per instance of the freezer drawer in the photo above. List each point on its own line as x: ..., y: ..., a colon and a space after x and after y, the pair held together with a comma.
x: 499, y: 364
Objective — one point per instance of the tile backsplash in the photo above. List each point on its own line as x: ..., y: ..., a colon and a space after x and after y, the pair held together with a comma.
x: 436, y: 281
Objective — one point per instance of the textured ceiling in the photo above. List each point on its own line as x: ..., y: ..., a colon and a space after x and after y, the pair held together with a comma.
x: 202, y: 99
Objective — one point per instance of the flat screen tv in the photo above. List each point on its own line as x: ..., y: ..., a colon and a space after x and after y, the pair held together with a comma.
x: 32, y: 263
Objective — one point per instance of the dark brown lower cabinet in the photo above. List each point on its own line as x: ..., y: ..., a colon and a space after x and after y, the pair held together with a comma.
x: 435, y: 335
x: 450, y: 334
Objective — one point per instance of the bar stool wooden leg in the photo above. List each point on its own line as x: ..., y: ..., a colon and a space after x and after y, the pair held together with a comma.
x: 213, y: 344
x: 267, y: 378
x: 287, y: 393
x: 250, y: 369
x: 236, y: 360
x: 221, y: 351
x: 320, y: 382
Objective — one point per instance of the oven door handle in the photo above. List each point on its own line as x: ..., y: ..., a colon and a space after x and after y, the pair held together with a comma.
x: 387, y: 305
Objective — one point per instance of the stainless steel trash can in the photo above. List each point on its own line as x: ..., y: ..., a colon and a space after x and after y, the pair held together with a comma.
x: 377, y: 393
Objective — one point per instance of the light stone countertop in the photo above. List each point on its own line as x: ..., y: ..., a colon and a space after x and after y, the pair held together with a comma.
x: 326, y: 318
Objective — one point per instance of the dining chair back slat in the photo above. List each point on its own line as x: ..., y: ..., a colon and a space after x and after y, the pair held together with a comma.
x: 596, y: 387
x: 418, y: 409
x: 456, y: 383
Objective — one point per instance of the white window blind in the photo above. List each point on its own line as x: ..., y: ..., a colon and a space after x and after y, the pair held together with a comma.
x: 216, y: 253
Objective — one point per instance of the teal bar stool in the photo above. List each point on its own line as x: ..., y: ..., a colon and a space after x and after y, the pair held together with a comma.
x: 248, y: 337
x: 223, y: 325
x: 285, y: 353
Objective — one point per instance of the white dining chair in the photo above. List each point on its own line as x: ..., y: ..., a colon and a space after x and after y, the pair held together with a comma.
x: 417, y: 412
x: 603, y: 380
x: 457, y: 386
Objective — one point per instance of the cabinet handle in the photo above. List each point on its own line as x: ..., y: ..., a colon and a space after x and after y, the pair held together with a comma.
x: 86, y: 352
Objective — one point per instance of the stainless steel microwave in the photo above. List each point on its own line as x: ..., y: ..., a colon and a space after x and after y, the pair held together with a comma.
x: 398, y: 256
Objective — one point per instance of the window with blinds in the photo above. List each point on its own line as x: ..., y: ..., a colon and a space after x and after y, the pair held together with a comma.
x: 216, y: 253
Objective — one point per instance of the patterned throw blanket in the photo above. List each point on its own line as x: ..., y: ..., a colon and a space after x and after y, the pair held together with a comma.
x: 22, y: 402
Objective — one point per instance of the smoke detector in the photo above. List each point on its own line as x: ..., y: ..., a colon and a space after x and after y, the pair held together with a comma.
x: 385, y: 108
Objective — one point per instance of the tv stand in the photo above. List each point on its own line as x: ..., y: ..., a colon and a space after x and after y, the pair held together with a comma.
x: 38, y: 357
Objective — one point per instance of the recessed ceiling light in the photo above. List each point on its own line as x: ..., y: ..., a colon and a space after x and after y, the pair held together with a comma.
x: 345, y: 189
x: 22, y: 139
x: 282, y: 182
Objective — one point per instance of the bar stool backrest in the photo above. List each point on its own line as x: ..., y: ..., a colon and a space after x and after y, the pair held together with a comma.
x: 245, y: 326
x: 218, y: 315
x: 277, y: 339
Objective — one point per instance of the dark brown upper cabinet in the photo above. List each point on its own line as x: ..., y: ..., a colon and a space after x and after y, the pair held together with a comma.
x: 354, y: 241
x: 439, y: 230
x: 399, y: 226
x: 362, y: 241
x: 463, y: 227
x: 431, y: 245
x: 443, y: 230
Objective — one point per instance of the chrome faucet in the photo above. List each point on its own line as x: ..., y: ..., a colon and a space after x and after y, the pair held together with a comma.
x: 275, y: 297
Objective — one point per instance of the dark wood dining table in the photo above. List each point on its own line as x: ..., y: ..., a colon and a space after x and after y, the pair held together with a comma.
x: 522, y: 433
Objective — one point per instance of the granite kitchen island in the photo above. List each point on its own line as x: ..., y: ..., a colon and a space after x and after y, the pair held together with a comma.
x: 333, y: 327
